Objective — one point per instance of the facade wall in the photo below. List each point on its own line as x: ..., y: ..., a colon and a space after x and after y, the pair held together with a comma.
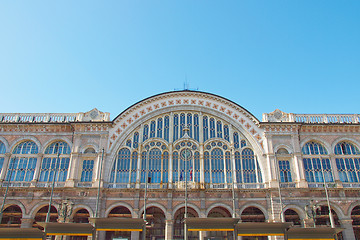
x: 266, y: 139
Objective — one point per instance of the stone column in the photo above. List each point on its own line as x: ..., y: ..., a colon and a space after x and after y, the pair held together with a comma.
x: 348, y: 232
x: 27, y: 222
x: 308, y: 222
x: 202, y: 235
x: 169, y: 229
x: 37, y: 170
x: 73, y: 169
x: 135, y: 235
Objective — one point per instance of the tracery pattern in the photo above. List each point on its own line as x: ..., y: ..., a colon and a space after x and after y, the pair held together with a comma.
x: 215, y: 167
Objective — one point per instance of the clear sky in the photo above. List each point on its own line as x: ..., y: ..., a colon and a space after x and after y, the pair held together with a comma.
x: 301, y: 56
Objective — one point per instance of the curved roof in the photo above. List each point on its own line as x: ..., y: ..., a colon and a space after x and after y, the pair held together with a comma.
x: 186, y: 91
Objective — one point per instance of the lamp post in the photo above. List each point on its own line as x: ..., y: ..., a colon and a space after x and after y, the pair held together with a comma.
x: 146, y: 184
x: 185, y: 154
x: 53, y: 183
x: 327, y: 197
x: 7, y: 187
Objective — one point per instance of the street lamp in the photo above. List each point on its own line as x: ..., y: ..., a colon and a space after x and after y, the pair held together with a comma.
x: 186, y: 155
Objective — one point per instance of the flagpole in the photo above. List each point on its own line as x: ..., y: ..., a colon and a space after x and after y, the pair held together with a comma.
x: 7, y: 188
x: 327, y: 197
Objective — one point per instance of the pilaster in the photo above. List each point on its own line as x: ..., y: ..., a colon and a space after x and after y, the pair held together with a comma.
x: 348, y: 232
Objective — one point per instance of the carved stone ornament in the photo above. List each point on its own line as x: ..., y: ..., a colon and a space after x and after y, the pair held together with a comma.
x: 95, y: 115
x: 277, y: 116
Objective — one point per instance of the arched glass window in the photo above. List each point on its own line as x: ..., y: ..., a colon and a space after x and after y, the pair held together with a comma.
x: 136, y: 140
x: 219, y: 129
x: 189, y: 124
x: 2, y: 148
x: 175, y: 167
x: 226, y: 133
x: 236, y: 140
x: 165, y: 167
x: 166, y: 128
x: 146, y: 132
x: 249, y: 166
x: 51, y: 164
x: 348, y: 165
x: 87, y: 170
x: 128, y: 143
x: 196, y: 127
x: 154, y: 166
x: 182, y: 124
x: 176, y: 127
x: 22, y: 165
x: 152, y: 129
x: 212, y: 127
x: 197, y: 167
x: 121, y: 168
x: 228, y: 167
x: 238, y: 167
x: 134, y: 161
x: 207, y: 167
x: 314, y: 148
x: 205, y: 128
x: 314, y: 165
x: 143, y: 166
x: 2, y: 154
x: 217, y: 165
x: 159, y: 127
x: 243, y: 143
x: 89, y: 150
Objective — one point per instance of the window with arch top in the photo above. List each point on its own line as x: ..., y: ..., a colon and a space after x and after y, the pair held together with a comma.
x: 347, y: 161
x: 2, y: 154
x: 316, y: 161
x: 23, y: 162
x: 55, y: 162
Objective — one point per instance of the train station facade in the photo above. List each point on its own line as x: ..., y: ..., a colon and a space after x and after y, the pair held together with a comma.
x: 231, y: 164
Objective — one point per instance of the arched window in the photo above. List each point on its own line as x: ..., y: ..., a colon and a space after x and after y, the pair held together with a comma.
x: 22, y: 165
x: 315, y: 162
x: 205, y: 128
x: 166, y: 128
x: 217, y: 166
x: 284, y: 165
x: 219, y: 129
x: 196, y: 127
x: 348, y: 163
x: 56, y: 160
x: 134, y: 161
x: 154, y: 166
x: 159, y: 128
x: 136, y: 140
x: 152, y: 129
x: 146, y: 133
x: 2, y: 154
x: 189, y: 124
x: 238, y: 170
x: 207, y: 167
x: 176, y: 127
x: 90, y: 150
x: 175, y: 167
x: 165, y: 169
x: 249, y: 166
x: 197, y: 167
x: 121, y: 168
x: 236, y: 140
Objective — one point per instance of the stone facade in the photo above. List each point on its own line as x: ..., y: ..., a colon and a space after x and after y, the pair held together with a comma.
x: 93, y: 137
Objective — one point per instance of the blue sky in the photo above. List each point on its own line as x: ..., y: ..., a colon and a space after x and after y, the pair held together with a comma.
x: 71, y: 56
